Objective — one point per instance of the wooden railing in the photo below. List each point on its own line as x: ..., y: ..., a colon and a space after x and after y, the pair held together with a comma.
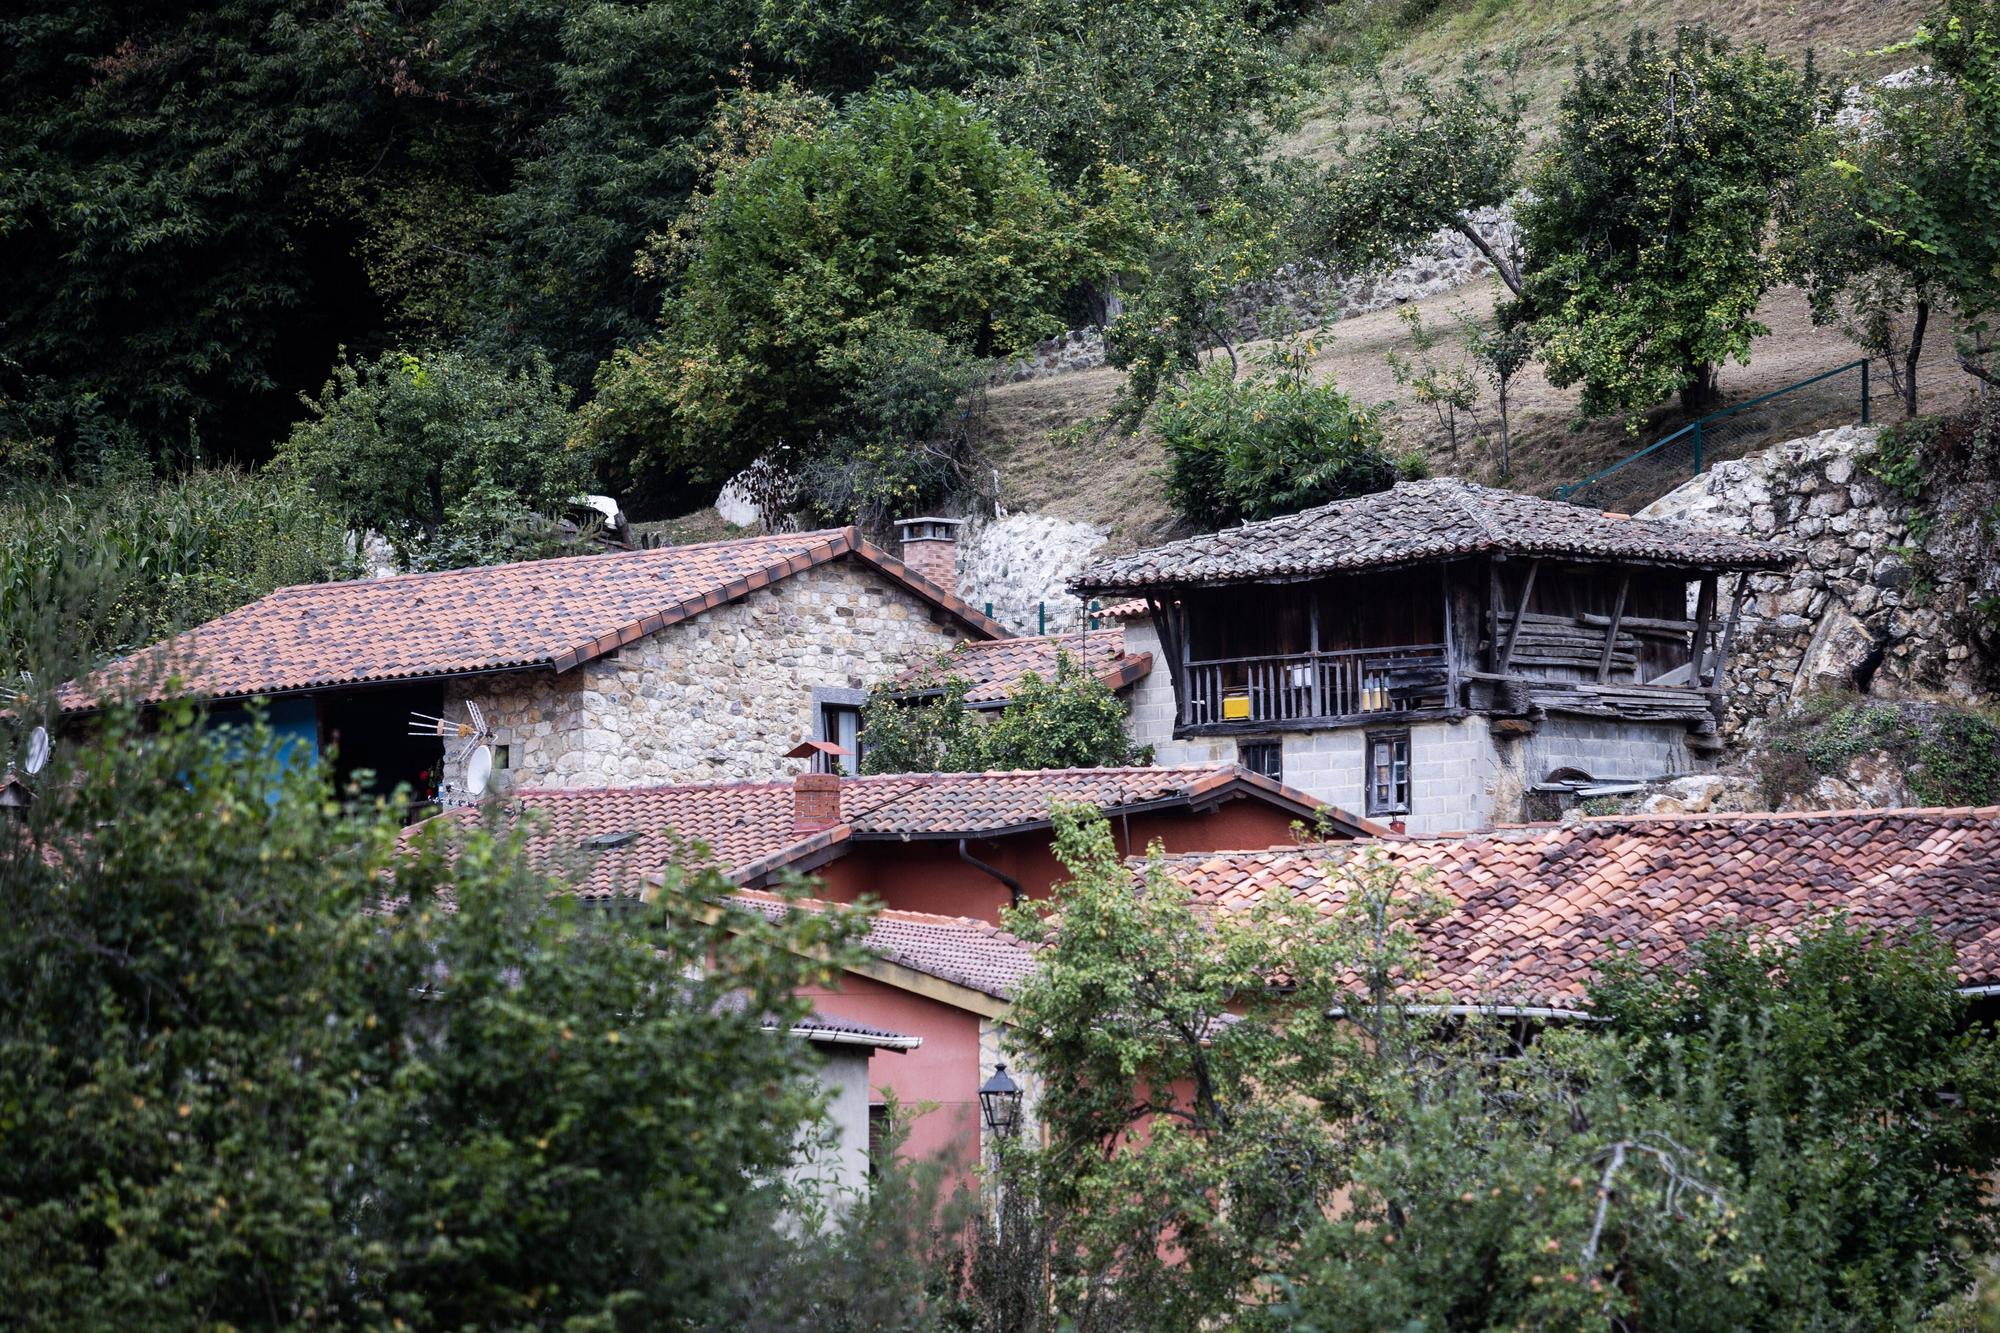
x: 1304, y: 687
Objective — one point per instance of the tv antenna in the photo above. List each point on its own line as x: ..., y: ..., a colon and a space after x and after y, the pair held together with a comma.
x: 479, y: 770
x: 471, y: 734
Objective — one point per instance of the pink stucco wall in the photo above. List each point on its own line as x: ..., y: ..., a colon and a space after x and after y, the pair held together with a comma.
x: 944, y: 1070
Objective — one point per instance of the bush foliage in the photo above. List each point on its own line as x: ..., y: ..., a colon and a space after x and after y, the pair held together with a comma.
x: 237, y: 1089
x: 1070, y: 720
x: 1273, y: 443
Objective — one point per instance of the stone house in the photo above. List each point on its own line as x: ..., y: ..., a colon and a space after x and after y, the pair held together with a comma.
x: 680, y: 663
x: 1440, y: 654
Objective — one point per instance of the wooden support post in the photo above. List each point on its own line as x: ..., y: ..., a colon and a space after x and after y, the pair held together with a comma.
x: 1729, y: 630
x: 1452, y: 699
x: 1520, y: 612
x: 1611, y: 630
x: 1492, y: 616
x: 1318, y: 682
x: 1170, y: 645
x: 1704, y: 612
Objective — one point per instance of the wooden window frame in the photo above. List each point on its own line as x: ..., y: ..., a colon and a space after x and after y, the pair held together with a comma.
x: 1271, y: 743
x: 1373, y: 799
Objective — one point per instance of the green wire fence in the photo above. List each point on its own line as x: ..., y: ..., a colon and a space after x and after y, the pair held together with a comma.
x: 1638, y: 479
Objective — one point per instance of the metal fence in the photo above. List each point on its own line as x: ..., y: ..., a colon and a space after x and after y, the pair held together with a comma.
x: 1797, y: 409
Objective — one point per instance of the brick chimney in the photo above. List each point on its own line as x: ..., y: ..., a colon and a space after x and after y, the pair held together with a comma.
x: 930, y: 549
x: 815, y: 803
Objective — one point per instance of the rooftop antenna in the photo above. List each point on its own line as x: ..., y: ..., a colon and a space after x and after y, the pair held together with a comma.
x: 471, y: 734
x: 479, y: 770
x: 38, y: 751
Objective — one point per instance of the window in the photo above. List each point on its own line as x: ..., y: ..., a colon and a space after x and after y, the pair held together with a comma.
x: 1265, y: 757
x: 1388, y: 772
x: 841, y: 724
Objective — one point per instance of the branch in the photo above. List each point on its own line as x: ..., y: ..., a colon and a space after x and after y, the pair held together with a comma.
x: 1504, y: 267
x: 1975, y: 369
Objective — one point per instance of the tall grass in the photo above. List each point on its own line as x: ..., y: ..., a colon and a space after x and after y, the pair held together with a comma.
x: 89, y: 572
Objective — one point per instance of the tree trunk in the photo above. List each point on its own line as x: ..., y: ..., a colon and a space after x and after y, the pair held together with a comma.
x: 1506, y: 469
x: 1909, y: 384
x: 1698, y: 393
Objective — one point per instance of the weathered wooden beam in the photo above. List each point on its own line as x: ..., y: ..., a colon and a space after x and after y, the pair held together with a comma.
x: 1452, y: 698
x: 1729, y: 630
x: 1611, y: 630
x: 1520, y: 610
x: 1162, y: 613
x: 1704, y: 611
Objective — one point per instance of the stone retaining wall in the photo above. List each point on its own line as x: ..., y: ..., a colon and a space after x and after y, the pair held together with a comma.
x: 1854, y: 611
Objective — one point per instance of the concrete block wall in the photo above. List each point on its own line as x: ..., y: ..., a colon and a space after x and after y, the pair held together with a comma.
x: 1605, y: 749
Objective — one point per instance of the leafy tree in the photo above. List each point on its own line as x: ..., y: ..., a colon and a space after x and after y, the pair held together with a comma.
x: 113, y: 567
x: 448, y: 457
x: 1435, y: 161
x: 1271, y: 444
x: 904, y: 231
x: 1174, y: 105
x: 1926, y: 192
x: 1444, y: 386
x: 1501, y: 350
x: 1071, y: 720
x: 1860, y: 270
x: 241, y: 1091
x: 1646, y: 220
x: 1195, y: 1080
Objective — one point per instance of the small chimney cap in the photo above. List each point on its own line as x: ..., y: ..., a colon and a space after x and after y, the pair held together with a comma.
x: 930, y: 526
x: 807, y: 749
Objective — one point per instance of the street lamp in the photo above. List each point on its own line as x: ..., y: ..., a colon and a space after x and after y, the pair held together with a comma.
x: 1000, y: 1102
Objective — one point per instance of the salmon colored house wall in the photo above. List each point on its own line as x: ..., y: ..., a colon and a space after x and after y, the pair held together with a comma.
x: 928, y: 876
x: 945, y: 1069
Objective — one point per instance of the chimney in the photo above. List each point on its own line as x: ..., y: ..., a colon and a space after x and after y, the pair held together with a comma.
x: 930, y: 549
x: 815, y: 803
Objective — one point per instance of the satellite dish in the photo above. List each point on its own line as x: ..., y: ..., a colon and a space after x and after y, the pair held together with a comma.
x: 479, y: 770
x: 38, y: 750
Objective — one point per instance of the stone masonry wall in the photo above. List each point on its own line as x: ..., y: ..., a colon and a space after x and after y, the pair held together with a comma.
x: 1021, y: 565
x: 1304, y: 296
x: 720, y: 697
x: 1853, y: 610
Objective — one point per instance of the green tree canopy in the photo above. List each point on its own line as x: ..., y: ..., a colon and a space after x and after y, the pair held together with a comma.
x: 1647, y: 217
x: 239, y: 1090
x: 832, y: 280
x: 1273, y: 443
x: 1070, y: 720
x: 448, y: 457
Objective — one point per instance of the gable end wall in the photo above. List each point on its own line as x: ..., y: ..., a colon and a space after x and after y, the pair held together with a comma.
x: 719, y: 697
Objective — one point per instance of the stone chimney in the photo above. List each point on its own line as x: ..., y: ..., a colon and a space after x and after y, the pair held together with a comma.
x: 930, y: 549
x: 815, y: 803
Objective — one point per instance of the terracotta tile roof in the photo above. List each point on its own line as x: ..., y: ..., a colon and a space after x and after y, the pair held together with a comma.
x: 608, y: 840
x: 552, y: 614
x: 959, y: 949
x: 994, y: 668
x: 829, y: 1030
x: 1537, y: 908
x: 1418, y: 521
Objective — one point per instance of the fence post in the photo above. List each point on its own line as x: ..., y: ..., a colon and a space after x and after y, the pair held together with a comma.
x: 1697, y: 448
x: 1041, y: 617
x: 1864, y: 390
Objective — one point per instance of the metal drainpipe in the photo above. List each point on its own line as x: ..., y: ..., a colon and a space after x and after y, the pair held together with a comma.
x: 1013, y: 885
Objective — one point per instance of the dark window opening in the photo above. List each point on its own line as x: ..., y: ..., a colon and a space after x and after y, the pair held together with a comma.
x: 1263, y: 757
x: 841, y: 724
x: 1388, y: 772
x: 878, y: 1134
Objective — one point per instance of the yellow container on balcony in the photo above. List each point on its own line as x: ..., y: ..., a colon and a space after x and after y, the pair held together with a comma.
x: 1236, y: 707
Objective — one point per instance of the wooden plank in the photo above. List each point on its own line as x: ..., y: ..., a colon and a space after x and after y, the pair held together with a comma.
x: 1611, y: 630
x: 1452, y: 698
x: 1704, y: 612
x: 1634, y: 624
x: 1521, y: 609
x: 1729, y: 630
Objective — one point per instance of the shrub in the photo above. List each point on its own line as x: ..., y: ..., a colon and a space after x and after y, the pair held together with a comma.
x: 1273, y: 443
x: 239, y: 1092
x: 1949, y: 756
x: 1071, y: 720
x: 449, y: 457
